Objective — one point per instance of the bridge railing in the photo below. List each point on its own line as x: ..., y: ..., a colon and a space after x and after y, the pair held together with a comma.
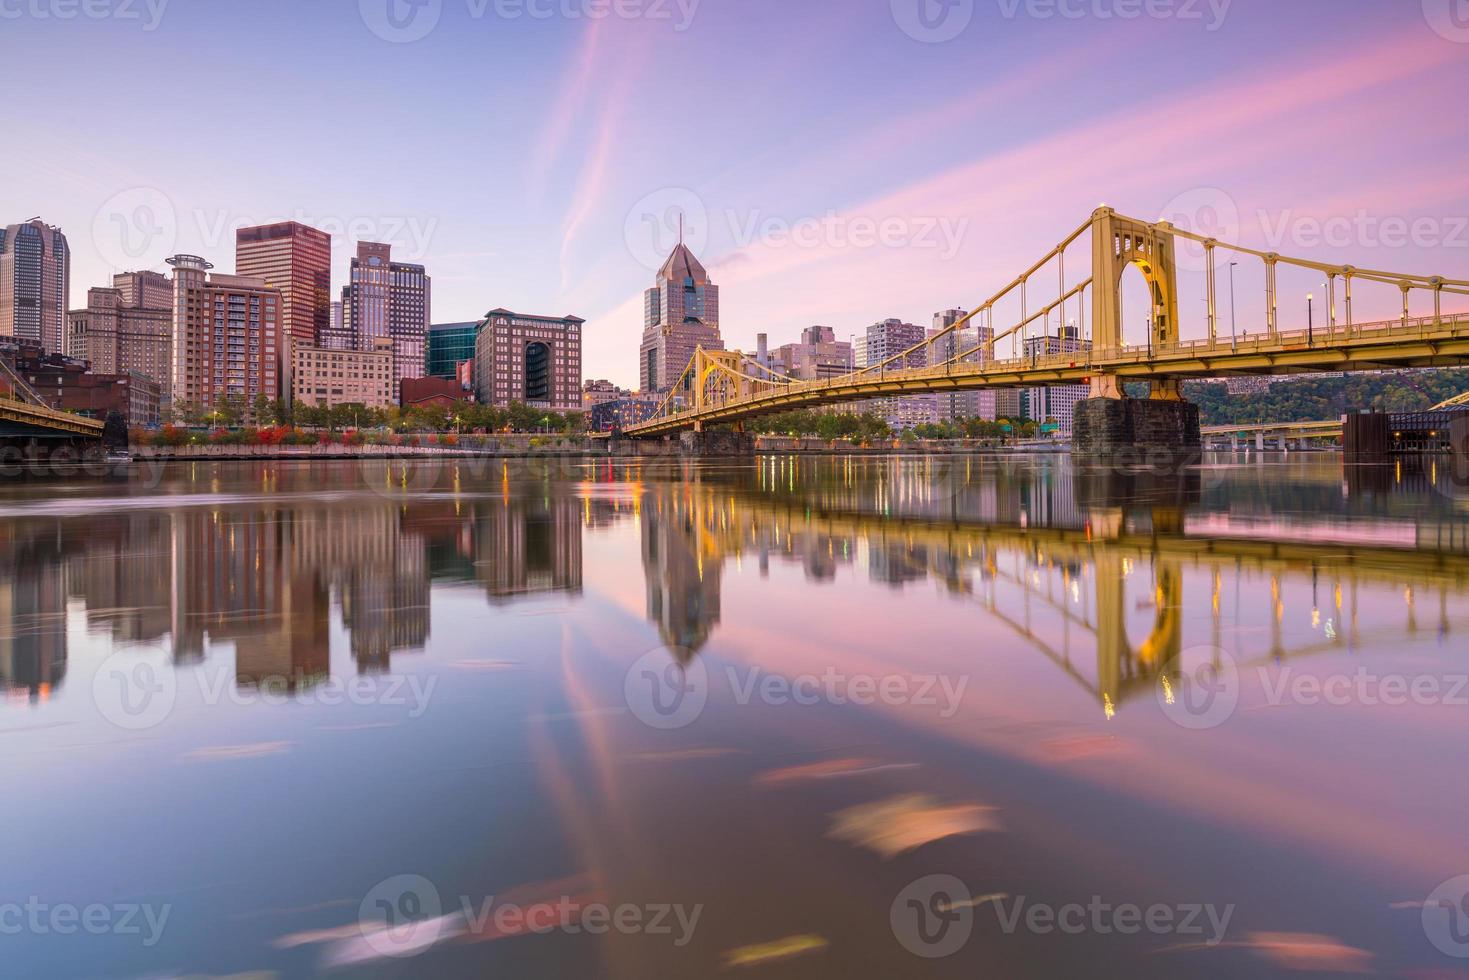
x: 26, y: 412
x: 1088, y: 361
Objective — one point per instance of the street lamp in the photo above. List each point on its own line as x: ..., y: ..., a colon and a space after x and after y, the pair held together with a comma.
x: 1233, y: 337
x: 1310, y: 320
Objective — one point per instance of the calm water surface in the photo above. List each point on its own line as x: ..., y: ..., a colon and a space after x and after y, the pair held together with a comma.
x: 789, y: 718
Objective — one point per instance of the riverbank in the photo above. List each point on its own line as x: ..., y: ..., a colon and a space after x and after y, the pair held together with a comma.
x: 514, y: 446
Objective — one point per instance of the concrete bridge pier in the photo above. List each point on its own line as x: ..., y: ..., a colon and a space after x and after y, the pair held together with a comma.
x: 1459, y: 449
x: 716, y: 442
x: 1367, y: 437
x: 1149, y: 428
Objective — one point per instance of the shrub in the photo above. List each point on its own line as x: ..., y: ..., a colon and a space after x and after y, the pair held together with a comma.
x: 170, y: 435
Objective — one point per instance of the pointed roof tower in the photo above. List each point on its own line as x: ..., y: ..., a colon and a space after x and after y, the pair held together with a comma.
x: 681, y: 263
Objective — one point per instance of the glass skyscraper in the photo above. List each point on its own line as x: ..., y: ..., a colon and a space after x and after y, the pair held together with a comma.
x: 35, y: 280
x: 449, y: 345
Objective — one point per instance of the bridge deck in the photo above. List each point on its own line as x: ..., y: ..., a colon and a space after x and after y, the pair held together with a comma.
x: 1423, y: 342
x: 48, y: 421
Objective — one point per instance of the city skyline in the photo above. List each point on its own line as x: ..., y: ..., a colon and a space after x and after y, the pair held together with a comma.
x: 1256, y: 127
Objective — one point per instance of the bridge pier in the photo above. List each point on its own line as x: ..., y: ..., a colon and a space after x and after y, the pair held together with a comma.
x: 1367, y: 437
x: 1459, y: 449
x: 716, y: 442
x: 1142, y: 427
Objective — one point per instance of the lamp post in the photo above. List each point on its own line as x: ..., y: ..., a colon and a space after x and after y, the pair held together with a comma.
x: 1310, y: 320
x: 1233, y: 337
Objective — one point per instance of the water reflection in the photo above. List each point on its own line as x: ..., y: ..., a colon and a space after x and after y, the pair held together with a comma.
x: 1056, y: 599
x: 1093, y: 569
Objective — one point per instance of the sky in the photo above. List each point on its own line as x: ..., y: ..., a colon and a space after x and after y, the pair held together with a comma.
x: 835, y: 163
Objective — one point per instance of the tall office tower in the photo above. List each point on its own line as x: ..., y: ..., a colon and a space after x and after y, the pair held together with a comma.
x: 389, y: 299
x: 680, y: 315
x: 365, y: 297
x: 227, y: 335
x: 1055, y: 403
x: 970, y: 344
x: 888, y: 339
x: 297, y: 260
x: 410, y: 305
x: 125, y: 328
x: 35, y: 283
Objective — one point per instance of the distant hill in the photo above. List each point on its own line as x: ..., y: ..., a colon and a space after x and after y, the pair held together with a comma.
x: 1311, y: 399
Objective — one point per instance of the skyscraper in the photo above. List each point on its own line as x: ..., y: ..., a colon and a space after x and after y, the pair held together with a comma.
x: 1055, y: 403
x: 35, y: 283
x: 226, y: 335
x: 680, y: 315
x: 970, y: 344
x: 886, y: 341
x: 297, y: 260
x: 389, y: 299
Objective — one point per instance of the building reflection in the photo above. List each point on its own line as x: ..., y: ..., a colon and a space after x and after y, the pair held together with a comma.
x: 266, y: 579
x: 32, y: 612
x: 1091, y: 569
x: 683, y: 592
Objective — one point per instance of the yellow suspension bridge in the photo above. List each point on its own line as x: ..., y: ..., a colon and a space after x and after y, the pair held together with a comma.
x: 729, y: 387
x: 25, y: 416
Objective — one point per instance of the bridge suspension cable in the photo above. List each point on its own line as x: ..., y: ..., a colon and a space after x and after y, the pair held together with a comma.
x: 727, y: 386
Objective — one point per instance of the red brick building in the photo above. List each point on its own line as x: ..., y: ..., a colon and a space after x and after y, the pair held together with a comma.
x: 68, y: 385
x: 420, y: 392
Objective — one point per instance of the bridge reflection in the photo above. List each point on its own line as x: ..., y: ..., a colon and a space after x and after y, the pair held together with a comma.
x: 1113, y: 577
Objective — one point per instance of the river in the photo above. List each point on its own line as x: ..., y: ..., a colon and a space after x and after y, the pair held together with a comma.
x: 788, y: 717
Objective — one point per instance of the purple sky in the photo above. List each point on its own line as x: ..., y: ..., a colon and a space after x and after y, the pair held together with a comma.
x: 838, y: 162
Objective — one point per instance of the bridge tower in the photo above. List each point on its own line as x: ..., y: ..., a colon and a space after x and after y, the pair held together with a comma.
x: 1119, y: 242
x: 1108, y: 421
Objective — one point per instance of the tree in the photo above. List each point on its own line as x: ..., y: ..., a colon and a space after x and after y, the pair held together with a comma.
x: 312, y: 416
x: 190, y: 413
x: 229, y: 410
